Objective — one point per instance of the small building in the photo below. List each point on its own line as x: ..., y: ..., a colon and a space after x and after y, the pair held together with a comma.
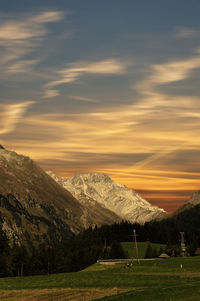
x: 164, y: 255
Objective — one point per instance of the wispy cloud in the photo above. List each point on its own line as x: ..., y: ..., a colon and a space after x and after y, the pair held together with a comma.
x: 76, y: 70
x: 187, y: 32
x: 82, y: 98
x: 11, y: 114
x: 20, y: 37
x: 50, y: 93
x: 28, y: 28
x: 169, y: 108
x: 21, y: 66
x: 174, y: 71
x: 166, y: 73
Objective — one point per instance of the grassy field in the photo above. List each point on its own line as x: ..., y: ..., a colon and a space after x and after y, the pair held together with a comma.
x: 161, y: 279
x: 57, y: 294
x: 129, y: 246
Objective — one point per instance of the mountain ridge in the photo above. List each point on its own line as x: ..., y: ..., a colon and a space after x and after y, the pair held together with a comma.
x: 114, y: 196
x: 193, y: 201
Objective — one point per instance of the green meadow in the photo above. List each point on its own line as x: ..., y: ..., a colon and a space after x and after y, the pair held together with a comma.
x: 159, y: 279
x: 129, y: 248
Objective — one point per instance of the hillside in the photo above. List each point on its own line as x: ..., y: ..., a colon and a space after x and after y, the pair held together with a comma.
x: 33, y: 206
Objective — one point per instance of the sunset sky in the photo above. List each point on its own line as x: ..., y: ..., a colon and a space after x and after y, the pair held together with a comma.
x: 108, y: 86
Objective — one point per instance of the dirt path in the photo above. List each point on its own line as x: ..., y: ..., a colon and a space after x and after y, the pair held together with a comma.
x: 58, y: 294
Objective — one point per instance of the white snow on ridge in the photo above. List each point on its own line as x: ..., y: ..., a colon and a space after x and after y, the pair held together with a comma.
x: 99, y: 187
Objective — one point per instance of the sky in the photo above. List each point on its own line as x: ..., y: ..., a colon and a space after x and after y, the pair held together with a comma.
x: 106, y: 86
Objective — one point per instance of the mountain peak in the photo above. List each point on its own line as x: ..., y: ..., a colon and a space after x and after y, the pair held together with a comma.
x: 91, y: 177
x: 118, y: 198
x: 14, y: 158
x: 195, y: 199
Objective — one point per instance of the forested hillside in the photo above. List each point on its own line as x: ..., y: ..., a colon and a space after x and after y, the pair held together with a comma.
x: 86, y: 248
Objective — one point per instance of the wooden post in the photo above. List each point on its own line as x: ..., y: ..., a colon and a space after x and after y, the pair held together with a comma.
x: 22, y: 270
x: 136, y: 246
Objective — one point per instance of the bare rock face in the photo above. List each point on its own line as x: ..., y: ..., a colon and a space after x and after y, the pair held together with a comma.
x: 98, y: 188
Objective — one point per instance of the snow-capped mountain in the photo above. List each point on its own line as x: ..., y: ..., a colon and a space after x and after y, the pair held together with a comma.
x: 99, y: 188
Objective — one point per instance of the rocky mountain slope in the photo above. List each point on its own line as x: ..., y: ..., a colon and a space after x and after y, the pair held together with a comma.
x: 33, y: 206
x: 193, y: 201
x: 97, y: 188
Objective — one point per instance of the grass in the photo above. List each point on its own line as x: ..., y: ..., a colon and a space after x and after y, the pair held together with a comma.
x: 56, y: 294
x: 161, y: 279
x: 176, y: 293
x: 129, y: 248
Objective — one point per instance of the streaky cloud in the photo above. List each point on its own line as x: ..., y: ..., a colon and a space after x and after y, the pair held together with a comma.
x: 21, y: 66
x: 28, y: 28
x: 187, y: 32
x: 76, y: 70
x: 50, y: 93
x: 21, y: 36
x: 82, y: 98
x: 11, y: 115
